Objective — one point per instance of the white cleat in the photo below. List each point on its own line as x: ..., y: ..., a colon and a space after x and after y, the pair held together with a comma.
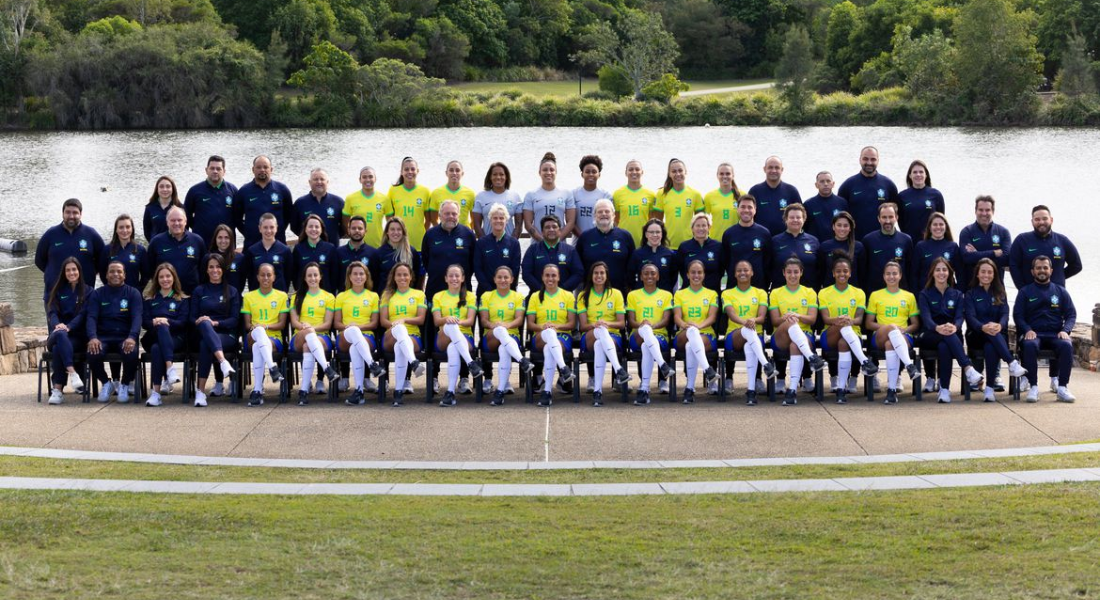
x: 370, y: 386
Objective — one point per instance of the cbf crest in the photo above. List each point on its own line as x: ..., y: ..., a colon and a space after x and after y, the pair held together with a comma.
x: 459, y: 243
x: 897, y: 252
x: 561, y: 257
x: 615, y: 245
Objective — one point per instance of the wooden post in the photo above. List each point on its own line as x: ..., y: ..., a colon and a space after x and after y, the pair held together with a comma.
x: 8, y: 344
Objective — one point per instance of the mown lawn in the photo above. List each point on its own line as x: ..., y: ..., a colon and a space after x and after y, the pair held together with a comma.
x: 569, y: 87
x: 1014, y: 542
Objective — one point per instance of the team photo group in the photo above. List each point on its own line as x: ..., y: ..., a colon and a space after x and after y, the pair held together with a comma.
x: 404, y: 277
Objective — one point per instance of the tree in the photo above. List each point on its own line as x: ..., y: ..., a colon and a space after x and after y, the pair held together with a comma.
x: 19, y: 18
x: 445, y: 47
x: 302, y: 24
x: 997, y: 63
x: 480, y: 20
x: 843, y: 22
x: 794, y: 69
x: 1076, y: 77
x: 927, y: 66
x: 1056, y: 18
x: 111, y: 27
x: 644, y: 51
x: 710, y: 42
x: 536, y: 30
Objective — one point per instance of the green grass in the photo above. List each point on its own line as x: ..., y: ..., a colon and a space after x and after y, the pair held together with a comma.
x: 11, y: 466
x: 569, y: 87
x: 998, y: 543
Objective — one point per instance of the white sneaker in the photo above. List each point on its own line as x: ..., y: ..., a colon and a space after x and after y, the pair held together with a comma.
x: 123, y: 394
x: 662, y: 387
x: 1025, y: 385
x: 116, y: 384
x: 106, y: 391
x: 945, y: 396
x: 1033, y: 394
x: 464, y: 386
x: 728, y: 385
x: 1015, y: 369
x: 876, y: 385
x: 319, y: 387
x: 154, y: 399
x: 166, y: 388
x: 435, y: 386
x: 75, y: 383
x: 409, y: 387
x: 808, y: 384
x: 929, y: 385
x: 1054, y: 384
x: 989, y: 396
x: 370, y: 386
x: 853, y: 383
x: 486, y: 386
x: 173, y: 375
x: 420, y: 368
x: 973, y: 377
x: 1064, y: 395
x: 227, y: 369
x: 591, y: 387
x: 901, y: 385
x: 200, y: 398
x: 217, y: 390
x: 713, y: 388
x: 343, y: 384
x: 833, y: 384
x: 55, y: 397
x: 780, y: 386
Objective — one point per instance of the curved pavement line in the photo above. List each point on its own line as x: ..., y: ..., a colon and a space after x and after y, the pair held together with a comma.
x: 232, y: 461
x: 840, y: 484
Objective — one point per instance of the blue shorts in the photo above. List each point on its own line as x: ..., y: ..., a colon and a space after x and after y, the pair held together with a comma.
x: 485, y: 341
x: 565, y: 339
x: 661, y: 339
x: 729, y: 340
x: 276, y: 343
x: 469, y: 340
x: 618, y: 339
x: 326, y: 340
x: 771, y: 343
x: 908, y: 338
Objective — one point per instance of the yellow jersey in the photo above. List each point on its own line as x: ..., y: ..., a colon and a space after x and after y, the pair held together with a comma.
x: 722, y: 209
x: 373, y: 211
x: 463, y: 195
x: 695, y: 305
x: 411, y: 206
x: 747, y: 303
x: 798, y: 301
x: 503, y: 309
x: 315, y: 308
x: 632, y: 207
x: 356, y: 309
x: 602, y: 307
x: 552, y: 309
x: 446, y: 304
x: 265, y: 309
x: 649, y: 307
x: 893, y: 309
x: 405, y: 306
x: 678, y: 208
x: 843, y: 303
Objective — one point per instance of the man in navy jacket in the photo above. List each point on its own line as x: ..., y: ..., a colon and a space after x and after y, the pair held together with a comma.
x: 1065, y: 262
x: 209, y: 203
x: 866, y: 191
x: 181, y: 248
x: 983, y: 239
x: 1045, y: 316
x: 772, y: 196
x: 609, y: 244
x: 552, y: 251
x: 750, y: 241
x: 69, y: 238
x: 318, y: 201
x: 259, y: 196
x: 446, y: 244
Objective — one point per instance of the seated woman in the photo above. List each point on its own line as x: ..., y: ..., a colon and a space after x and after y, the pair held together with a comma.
x: 312, y: 311
x: 747, y: 308
x: 986, y: 312
x: 793, y: 309
x: 215, y: 309
x: 893, y: 316
x: 225, y: 244
x: 402, y: 314
x: 114, y: 324
x: 65, y: 318
x: 941, y: 314
x: 454, y: 311
x: 502, y: 314
x: 551, y: 317
x: 165, y: 316
x: 265, y: 317
x: 842, y: 307
x: 314, y: 247
x: 694, y: 310
x: 648, y: 312
x: 602, y: 313
x: 356, y: 319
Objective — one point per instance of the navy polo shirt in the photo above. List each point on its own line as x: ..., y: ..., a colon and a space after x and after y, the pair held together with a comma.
x: 209, y: 300
x: 441, y: 249
x: 208, y: 206
x: 132, y: 257
x: 1044, y: 309
x: 252, y: 201
x: 770, y: 203
x: 58, y: 244
x: 666, y: 260
x: 1065, y: 262
x: 864, y: 194
x: 820, y: 212
x: 916, y: 206
x: 114, y: 313
x: 184, y: 254
x: 539, y: 254
x: 613, y: 248
x: 754, y: 244
x: 346, y: 254
x: 330, y: 209
x: 826, y: 259
x: 490, y: 254
x: 804, y: 247
x: 710, y: 253
x: 881, y: 249
x: 278, y: 256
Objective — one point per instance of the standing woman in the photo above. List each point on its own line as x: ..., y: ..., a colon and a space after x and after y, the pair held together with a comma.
x: 704, y: 249
x: 356, y: 320
x: 312, y: 311
x: 215, y: 308
x: 842, y: 307
x: 410, y: 201
x: 648, y: 312
x: 454, y: 311
x: 588, y: 194
x: 919, y: 201
x: 695, y: 309
x: 935, y: 242
x: 549, y: 201
x: 793, y: 309
x: 747, y: 307
x: 122, y: 248
x: 265, y: 317
x: 403, y: 311
x: 654, y: 251
x: 164, y: 197
x: 721, y: 203
x: 942, y: 312
x: 986, y: 311
x: 65, y: 316
x: 795, y: 243
x: 165, y: 317
x: 502, y: 314
x: 633, y: 202
x: 602, y: 313
x: 842, y: 242
x: 315, y: 248
x: 452, y: 190
x: 552, y: 314
x: 495, y: 249
x: 893, y: 316
x: 397, y: 249
x: 225, y: 244
x: 677, y: 203
x: 367, y: 202
x: 498, y: 183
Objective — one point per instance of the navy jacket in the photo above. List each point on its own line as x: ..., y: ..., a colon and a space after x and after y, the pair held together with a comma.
x: 491, y: 254
x: 1065, y: 262
x: 916, y: 207
x: 753, y: 244
x: 804, y: 247
x: 937, y: 309
x: 324, y: 254
x: 114, y: 313
x: 879, y: 249
x: 184, y: 254
x: 208, y: 206
x: 155, y: 220
x: 770, y: 203
x: 176, y: 310
x: 330, y: 209
x: 980, y: 309
x: 387, y: 259
x: 985, y: 242
x: 233, y: 274
x: 929, y: 250
x: 345, y: 255
x: 864, y: 194
x: 539, y: 254
x: 278, y: 255
x: 613, y: 248
x: 666, y: 259
x: 210, y: 300
x: 820, y: 212
x: 69, y: 309
x: 825, y: 262
x: 132, y: 256
x: 441, y: 249
x: 252, y: 201
x: 58, y: 244
x: 1044, y: 309
x: 710, y: 253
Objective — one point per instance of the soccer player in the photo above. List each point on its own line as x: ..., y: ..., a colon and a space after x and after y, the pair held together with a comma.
x: 793, y: 311
x: 402, y: 315
x: 548, y: 200
x: 694, y: 310
x: 452, y: 190
x: 551, y: 318
x: 588, y: 195
x: 356, y: 319
x: 410, y: 201
x: 842, y: 307
x: 312, y: 312
x: 677, y: 203
x: 893, y: 317
x: 498, y: 183
x: 746, y: 306
x: 502, y: 314
x: 721, y: 203
x: 648, y: 312
x: 369, y: 204
x: 454, y: 311
x: 633, y: 202
x: 601, y: 310
x: 265, y: 311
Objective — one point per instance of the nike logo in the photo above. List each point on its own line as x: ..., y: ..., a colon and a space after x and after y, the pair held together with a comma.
x: 104, y: 303
x: 878, y: 251
x: 439, y: 242
x: 489, y: 251
x: 1031, y: 249
x: 1032, y: 299
x: 593, y: 245
x: 734, y: 244
x: 782, y: 247
x: 927, y: 255
x: 975, y: 239
x: 856, y: 193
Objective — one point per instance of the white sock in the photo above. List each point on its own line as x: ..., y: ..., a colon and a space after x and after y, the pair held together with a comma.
x: 854, y: 343
x: 403, y: 343
x: 553, y: 346
x: 262, y: 343
x: 358, y: 344
x: 453, y: 357
x: 695, y: 345
x: 257, y: 376
x: 897, y: 340
x: 357, y: 369
x: 752, y: 343
x: 651, y: 343
x: 547, y: 369
x: 799, y: 338
x: 794, y: 373
x: 308, y: 364
x: 599, y: 362
x: 504, y: 367
x: 691, y: 365
x: 893, y: 369
x: 647, y: 369
x: 462, y: 345
x: 844, y: 368
x: 317, y: 350
x: 603, y: 337
x: 751, y: 362
x: 508, y: 344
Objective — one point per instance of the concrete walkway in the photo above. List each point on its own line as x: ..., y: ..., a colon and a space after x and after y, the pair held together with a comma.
x: 737, y: 88
x: 565, y: 433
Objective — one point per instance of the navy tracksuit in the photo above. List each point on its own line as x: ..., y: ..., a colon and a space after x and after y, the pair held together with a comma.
x: 753, y: 244
x: 252, y: 201
x: 69, y: 309
x: 387, y: 260
x: 1065, y: 262
x: 615, y: 248
x: 184, y: 254
x: 820, y: 212
x: 345, y: 255
x: 986, y: 243
x: 879, y: 249
x: 864, y: 195
x: 278, y: 256
x: 490, y: 254
x: 710, y: 254
x: 58, y: 244
x: 916, y: 208
x: 114, y: 315
x: 163, y: 341
x: 804, y: 247
x: 208, y: 206
x: 770, y: 203
x: 132, y: 257
x: 223, y: 305
x: 155, y: 220
x: 441, y: 249
x: 826, y: 260
x: 980, y: 308
x: 666, y: 260
x: 929, y: 250
x: 938, y: 309
x: 539, y: 255
x: 1046, y: 310
x: 324, y: 254
x: 330, y: 209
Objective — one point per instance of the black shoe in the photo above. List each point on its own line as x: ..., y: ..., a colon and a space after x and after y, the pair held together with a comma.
x: 475, y: 368
x: 816, y: 363
x: 332, y: 374
x: 891, y: 397
x: 791, y: 398
x: 449, y: 398
x: 913, y: 373
x: 498, y: 398
x: 750, y: 398
x: 689, y: 396
x: 256, y: 399
x: 597, y: 398
x: 540, y: 382
x: 622, y: 377
x: 869, y: 368
x: 709, y: 376
x: 664, y: 371
x: 526, y: 365
x: 276, y: 374
x: 546, y: 400
x: 841, y: 396
x: 303, y: 397
x: 769, y: 370
x: 397, y: 397
x: 565, y: 375
x: 642, y: 398
x: 356, y: 398
x: 377, y: 370
x: 566, y: 387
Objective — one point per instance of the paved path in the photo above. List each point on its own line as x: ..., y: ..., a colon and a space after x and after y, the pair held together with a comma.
x: 523, y: 433
x: 736, y: 88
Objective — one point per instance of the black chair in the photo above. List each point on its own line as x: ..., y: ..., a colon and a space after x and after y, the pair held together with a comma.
x: 1014, y: 382
x: 930, y: 356
x: 80, y: 363
x: 339, y: 359
x: 138, y: 387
